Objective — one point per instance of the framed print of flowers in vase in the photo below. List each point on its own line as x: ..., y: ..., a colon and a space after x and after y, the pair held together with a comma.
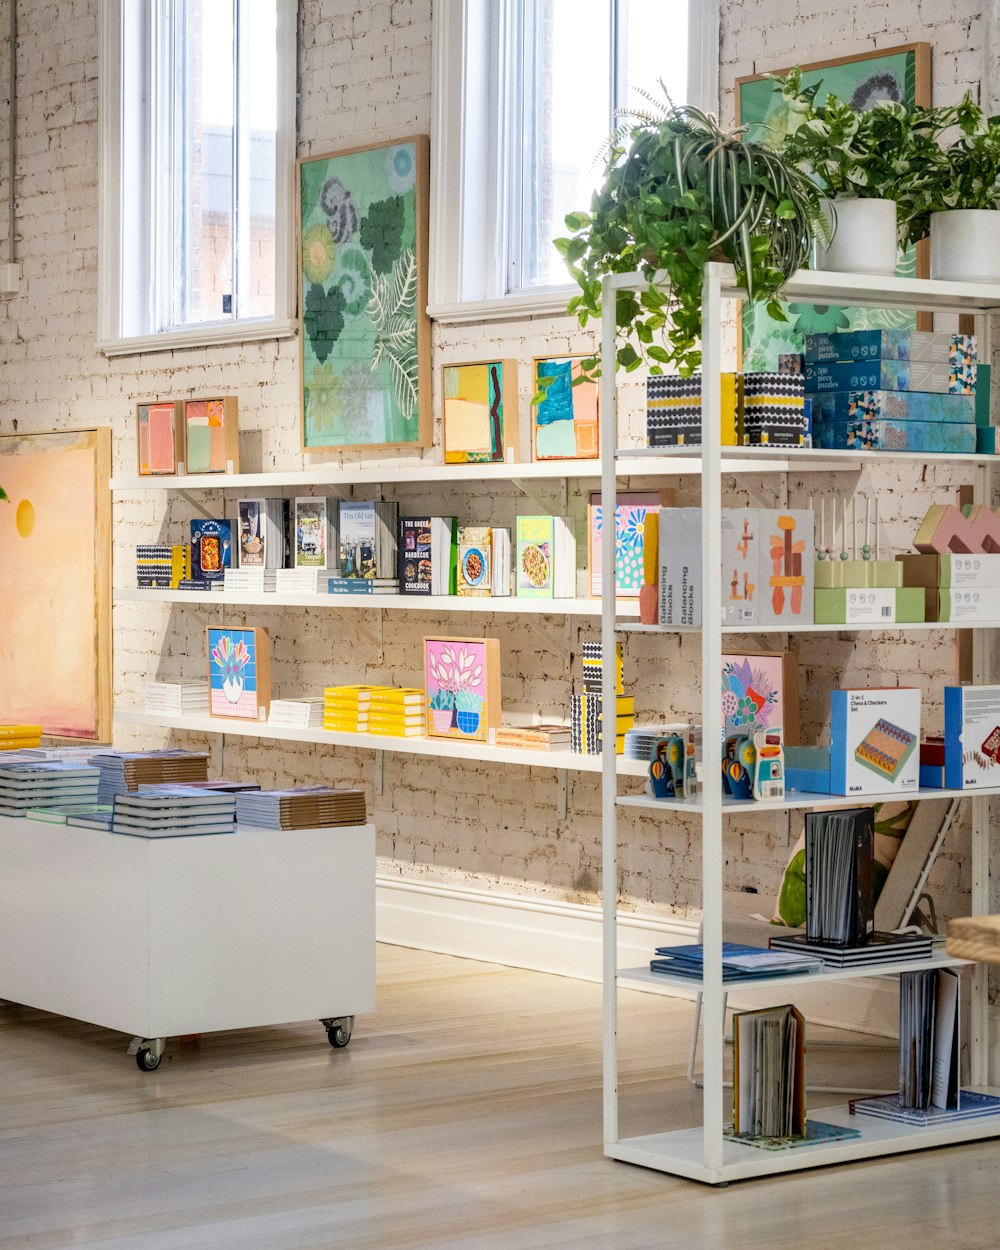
x: 463, y: 687
x: 239, y: 673
x: 364, y: 333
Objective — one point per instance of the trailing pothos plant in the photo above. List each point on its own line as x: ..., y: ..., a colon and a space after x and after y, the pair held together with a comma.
x: 678, y: 192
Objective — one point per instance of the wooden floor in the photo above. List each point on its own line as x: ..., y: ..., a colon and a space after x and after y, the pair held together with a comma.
x: 465, y: 1113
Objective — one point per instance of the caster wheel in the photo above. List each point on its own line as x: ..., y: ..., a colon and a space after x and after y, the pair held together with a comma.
x: 147, y: 1061
x: 338, y: 1036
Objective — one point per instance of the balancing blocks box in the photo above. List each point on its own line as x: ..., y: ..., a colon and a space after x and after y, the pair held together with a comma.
x: 874, y: 741
x: 971, y: 737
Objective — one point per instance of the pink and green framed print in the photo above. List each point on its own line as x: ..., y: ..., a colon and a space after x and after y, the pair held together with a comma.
x: 462, y: 677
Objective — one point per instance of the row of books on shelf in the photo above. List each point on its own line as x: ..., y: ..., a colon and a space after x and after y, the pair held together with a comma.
x: 153, y: 794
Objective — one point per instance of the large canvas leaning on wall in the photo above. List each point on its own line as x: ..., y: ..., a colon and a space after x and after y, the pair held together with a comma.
x: 55, y: 582
x: 365, y: 336
x: 902, y: 74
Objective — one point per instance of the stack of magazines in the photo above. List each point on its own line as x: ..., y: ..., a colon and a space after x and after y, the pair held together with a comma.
x: 739, y: 963
x: 37, y: 784
x: 308, y: 807
x: 173, y: 811
x: 125, y: 771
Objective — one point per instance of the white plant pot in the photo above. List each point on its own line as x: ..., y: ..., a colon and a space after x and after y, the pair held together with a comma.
x: 965, y: 245
x: 864, y: 240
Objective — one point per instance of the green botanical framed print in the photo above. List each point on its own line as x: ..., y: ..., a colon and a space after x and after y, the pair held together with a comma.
x: 364, y: 332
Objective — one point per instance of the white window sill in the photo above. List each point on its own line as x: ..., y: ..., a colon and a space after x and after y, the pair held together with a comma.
x: 199, y: 336
x: 546, y: 302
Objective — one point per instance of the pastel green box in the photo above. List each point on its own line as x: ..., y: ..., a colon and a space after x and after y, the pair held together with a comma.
x: 872, y: 605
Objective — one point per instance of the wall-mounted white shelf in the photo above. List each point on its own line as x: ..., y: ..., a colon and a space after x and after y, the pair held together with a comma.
x: 795, y: 800
x: 445, y: 748
x: 810, y: 460
x: 406, y: 603
x: 885, y: 627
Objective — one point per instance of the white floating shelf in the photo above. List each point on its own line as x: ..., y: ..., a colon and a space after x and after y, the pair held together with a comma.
x: 884, y: 627
x: 806, y: 459
x: 441, y: 747
x: 793, y: 800
x: 406, y: 603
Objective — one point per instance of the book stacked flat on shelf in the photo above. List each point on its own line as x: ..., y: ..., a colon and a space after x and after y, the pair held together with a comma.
x: 397, y: 712
x: 534, y: 737
x: 85, y: 815
x: 166, y: 811
x: 161, y: 566
x: 306, y: 807
x: 769, y: 1094
x: 428, y: 555
x: 345, y: 708
x: 304, y: 713
x: 30, y: 784
x: 368, y: 540
x: 256, y: 581
x: 546, y: 557
x: 587, y: 709
x: 263, y: 529
x: 20, y: 737
x: 483, y: 562
x: 879, y: 948
x: 970, y: 1106
x: 839, y: 866
x: 124, y: 771
x: 315, y: 542
x: 303, y: 581
x: 362, y: 586
x: 177, y: 698
x: 739, y: 963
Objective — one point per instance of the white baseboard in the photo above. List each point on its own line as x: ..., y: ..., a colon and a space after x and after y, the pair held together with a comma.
x: 565, y: 938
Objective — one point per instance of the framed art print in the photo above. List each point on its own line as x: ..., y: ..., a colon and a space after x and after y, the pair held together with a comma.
x: 902, y: 74
x: 479, y: 412
x: 631, y: 510
x: 211, y: 444
x: 239, y: 672
x: 365, y: 336
x: 462, y: 683
x: 564, y: 421
x: 760, y: 690
x: 159, y: 437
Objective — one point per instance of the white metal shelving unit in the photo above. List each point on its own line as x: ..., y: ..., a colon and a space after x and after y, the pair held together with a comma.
x: 703, y: 1153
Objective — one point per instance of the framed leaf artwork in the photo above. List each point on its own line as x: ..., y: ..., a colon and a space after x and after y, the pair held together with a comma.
x: 364, y: 332
x: 564, y: 421
x: 239, y: 673
x: 462, y: 683
x: 760, y: 690
x: 479, y: 412
x: 902, y: 74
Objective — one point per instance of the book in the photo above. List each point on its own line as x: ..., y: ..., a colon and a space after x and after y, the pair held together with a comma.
x: 739, y: 962
x: 315, y: 543
x: 879, y: 948
x: 303, y: 807
x: 428, y: 555
x: 546, y: 557
x: 263, y: 525
x: 534, y: 737
x: 839, y: 866
x: 304, y: 713
x: 769, y: 1073
x: 211, y: 550
x: 368, y: 542
x: 483, y: 561
x: 970, y: 1105
x: 361, y: 586
x: 929, y: 1039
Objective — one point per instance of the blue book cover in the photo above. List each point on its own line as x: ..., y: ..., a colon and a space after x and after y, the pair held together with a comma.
x: 954, y: 710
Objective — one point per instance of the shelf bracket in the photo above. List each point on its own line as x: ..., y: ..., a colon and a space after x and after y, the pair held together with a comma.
x: 196, y: 503
x: 549, y: 638
x: 562, y: 794
x: 379, y: 773
x: 531, y: 488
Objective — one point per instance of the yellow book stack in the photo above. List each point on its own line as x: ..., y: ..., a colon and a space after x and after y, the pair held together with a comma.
x: 397, y: 712
x: 346, y: 708
x: 20, y: 737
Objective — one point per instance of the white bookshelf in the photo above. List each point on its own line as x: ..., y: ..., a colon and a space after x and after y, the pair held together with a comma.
x: 702, y: 1152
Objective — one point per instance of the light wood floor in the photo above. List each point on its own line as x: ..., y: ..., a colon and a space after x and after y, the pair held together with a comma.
x: 465, y: 1113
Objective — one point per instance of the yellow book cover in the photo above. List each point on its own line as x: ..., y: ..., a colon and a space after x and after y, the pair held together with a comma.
x: 20, y: 731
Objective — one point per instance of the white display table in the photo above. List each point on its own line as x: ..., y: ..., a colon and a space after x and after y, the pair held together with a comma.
x: 170, y: 936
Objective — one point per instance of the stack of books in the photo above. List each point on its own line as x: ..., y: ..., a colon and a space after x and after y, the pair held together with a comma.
x: 20, y: 737
x: 534, y: 737
x: 34, y: 784
x: 362, y: 585
x: 122, y: 772
x: 368, y: 542
x: 260, y: 581
x: 304, y: 713
x: 162, y: 565
x: 739, y: 963
x: 164, y: 811
x: 82, y: 815
x: 879, y: 948
x: 303, y: 581
x: 396, y: 713
x: 308, y: 807
x: 587, y: 714
x: 177, y: 698
x: 345, y: 708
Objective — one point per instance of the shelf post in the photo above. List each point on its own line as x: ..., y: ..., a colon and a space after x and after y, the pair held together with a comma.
x: 609, y: 707
x: 979, y: 1033
x: 711, y: 713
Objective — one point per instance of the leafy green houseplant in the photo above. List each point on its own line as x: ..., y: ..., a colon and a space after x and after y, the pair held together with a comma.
x: 679, y: 192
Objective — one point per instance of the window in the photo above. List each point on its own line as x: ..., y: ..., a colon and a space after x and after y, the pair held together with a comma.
x: 196, y: 170
x: 526, y: 94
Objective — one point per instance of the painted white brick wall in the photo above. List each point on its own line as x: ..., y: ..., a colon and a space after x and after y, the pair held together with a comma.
x: 365, y: 75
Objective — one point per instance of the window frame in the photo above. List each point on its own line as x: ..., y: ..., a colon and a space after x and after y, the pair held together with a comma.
x: 474, y: 113
x: 123, y: 74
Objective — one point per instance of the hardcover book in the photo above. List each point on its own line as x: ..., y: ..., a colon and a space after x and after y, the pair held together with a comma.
x: 546, y: 557
x: 211, y: 549
x: 316, y: 545
x: 428, y: 555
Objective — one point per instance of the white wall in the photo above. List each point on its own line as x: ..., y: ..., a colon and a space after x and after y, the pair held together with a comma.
x: 365, y: 76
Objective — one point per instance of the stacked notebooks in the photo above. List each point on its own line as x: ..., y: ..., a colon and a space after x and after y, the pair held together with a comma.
x: 739, y: 963
x: 345, y: 708
x: 38, y: 784
x: 177, y: 698
x: 586, y: 711
x: 304, y: 713
x: 164, y: 811
x: 125, y: 771
x: 308, y: 807
x: 20, y: 737
x: 396, y: 712
x: 533, y: 737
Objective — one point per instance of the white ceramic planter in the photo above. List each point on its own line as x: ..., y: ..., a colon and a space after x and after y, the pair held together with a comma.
x: 965, y: 245
x: 864, y: 240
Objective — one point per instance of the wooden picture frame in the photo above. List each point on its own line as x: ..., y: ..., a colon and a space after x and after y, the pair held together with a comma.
x: 479, y: 412
x: 757, y: 681
x: 903, y: 71
x: 631, y: 509
x: 565, y: 423
x: 55, y: 583
x: 211, y: 434
x: 159, y: 437
x: 239, y: 672
x: 364, y: 334
x: 462, y: 687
